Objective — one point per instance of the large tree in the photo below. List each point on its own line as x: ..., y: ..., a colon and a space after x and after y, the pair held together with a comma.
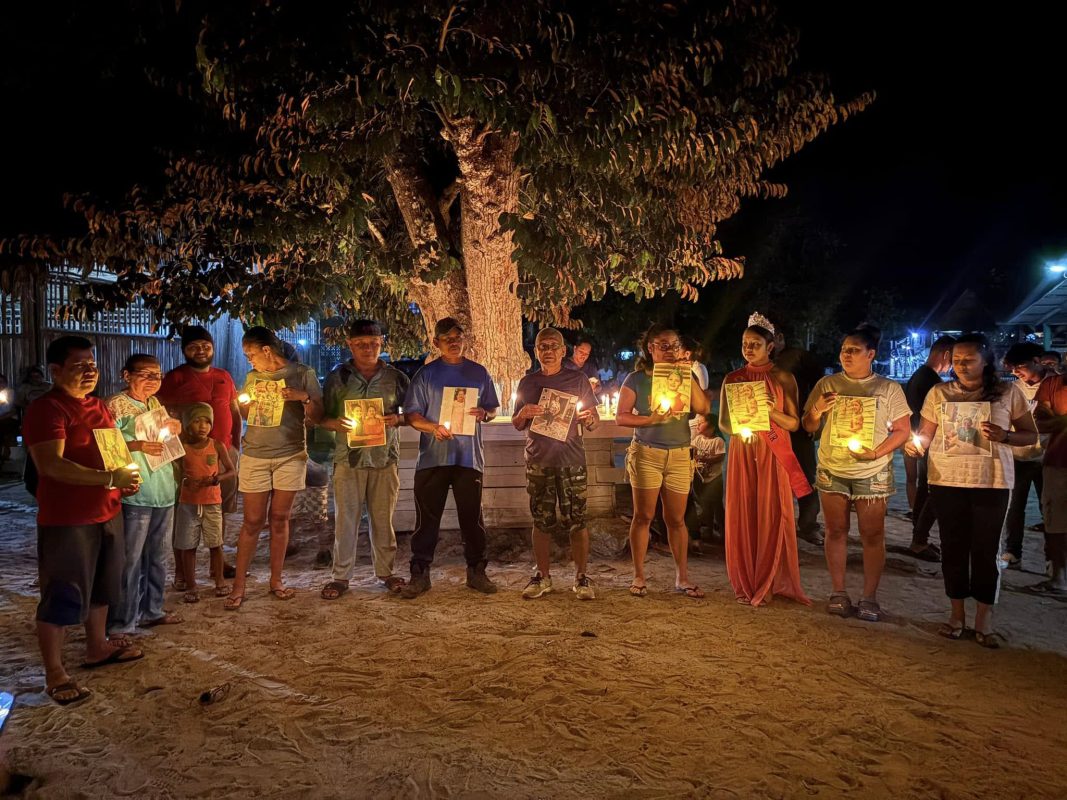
x: 482, y: 160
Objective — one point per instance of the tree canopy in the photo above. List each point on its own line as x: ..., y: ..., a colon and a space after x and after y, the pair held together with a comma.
x: 479, y: 159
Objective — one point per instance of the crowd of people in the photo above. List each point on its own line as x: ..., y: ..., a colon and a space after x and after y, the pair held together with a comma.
x: 104, y: 529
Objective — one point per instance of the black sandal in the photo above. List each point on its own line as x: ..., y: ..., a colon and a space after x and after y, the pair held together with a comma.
x: 333, y: 590
x: 840, y: 604
x: 991, y: 640
x: 950, y: 631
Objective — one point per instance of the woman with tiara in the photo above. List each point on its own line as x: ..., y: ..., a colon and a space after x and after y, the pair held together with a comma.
x: 762, y: 475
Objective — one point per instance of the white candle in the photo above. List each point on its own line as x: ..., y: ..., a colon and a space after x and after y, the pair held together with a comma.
x: 448, y: 425
x: 855, y: 445
x: 746, y: 434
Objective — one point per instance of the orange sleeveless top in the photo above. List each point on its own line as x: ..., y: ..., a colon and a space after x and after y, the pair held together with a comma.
x: 201, y: 463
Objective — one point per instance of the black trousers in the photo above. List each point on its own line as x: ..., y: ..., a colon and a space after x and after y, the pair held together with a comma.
x: 804, y: 450
x: 431, y: 493
x: 923, y: 515
x: 970, y: 522
x: 1027, y: 474
x: 707, y: 511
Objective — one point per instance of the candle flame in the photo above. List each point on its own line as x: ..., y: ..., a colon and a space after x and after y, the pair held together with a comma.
x: 665, y: 403
x: 164, y: 434
x: 746, y: 433
x: 243, y: 398
x: 132, y: 466
x: 448, y: 425
x: 855, y: 445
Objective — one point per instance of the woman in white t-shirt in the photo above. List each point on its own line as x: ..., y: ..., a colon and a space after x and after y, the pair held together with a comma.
x: 864, y: 417
x: 970, y: 481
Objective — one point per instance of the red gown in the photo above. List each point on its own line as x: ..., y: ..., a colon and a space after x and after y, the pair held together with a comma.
x: 761, y: 540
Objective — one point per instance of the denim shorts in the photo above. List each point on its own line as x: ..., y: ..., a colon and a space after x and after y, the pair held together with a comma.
x: 878, y: 486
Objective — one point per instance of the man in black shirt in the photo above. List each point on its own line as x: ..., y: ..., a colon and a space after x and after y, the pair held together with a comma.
x: 922, y: 511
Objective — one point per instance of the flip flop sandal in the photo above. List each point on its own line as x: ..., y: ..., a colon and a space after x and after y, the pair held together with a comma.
x: 120, y: 640
x: 950, y: 631
x: 233, y: 602
x: 69, y: 686
x: 181, y: 586
x: 282, y: 593
x: 869, y: 611
x: 638, y: 591
x: 743, y: 601
x: 333, y: 590
x: 168, y: 618
x: 191, y: 597
x: 1045, y: 589
x: 692, y: 592
x: 223, y: 591
x: 840, y: 604
x: 991, y: 641
x: 116, y: 657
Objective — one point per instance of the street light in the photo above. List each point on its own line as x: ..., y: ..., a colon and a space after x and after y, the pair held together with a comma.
x: 1057, y: 269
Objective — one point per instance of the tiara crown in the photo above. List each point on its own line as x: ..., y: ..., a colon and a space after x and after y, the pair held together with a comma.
x: 757, y: 318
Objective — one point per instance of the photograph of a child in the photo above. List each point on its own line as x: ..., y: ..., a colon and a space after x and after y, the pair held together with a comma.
x: 747, y: 404
x: 961, y: 434
x: 557, y: 412
x: 265, y: 410
x: 672, y: 383
x: 456, y: 404
x: 853, y: 418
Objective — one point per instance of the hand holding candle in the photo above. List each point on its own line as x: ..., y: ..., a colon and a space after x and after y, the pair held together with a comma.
x: 746, y: 434
x: 664, y: 404
x: 855, y: 445
x: 244, y: 398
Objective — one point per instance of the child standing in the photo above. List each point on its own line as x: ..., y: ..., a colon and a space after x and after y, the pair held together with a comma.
x: 199, y: 516
x: 706, y: 521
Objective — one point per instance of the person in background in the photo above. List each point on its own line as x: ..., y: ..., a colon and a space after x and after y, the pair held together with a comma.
x: 198, y: 518
x: 1024, y: 362
x: 706, y: 518
x: 762, y: 478
x: 806, y: 371
x: 1051, y: 414
x: 556, y: 477
x: 148, y: 515
x: 308, y: 521
x: 1052, y: 361
x: 659, y: 463
x: 196, y: 381
x: 581, y: 358
x: 273, y: 466
x: 79, y: 518
x: 33, y: 386
x: 923, y: 515
x: 857, y: 477
x: 447, y: 459
x: 970, y: 492
x: 9, y: 420
x: 693, y: 352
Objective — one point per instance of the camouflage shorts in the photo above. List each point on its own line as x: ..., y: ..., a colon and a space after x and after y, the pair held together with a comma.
x: 550, y: 487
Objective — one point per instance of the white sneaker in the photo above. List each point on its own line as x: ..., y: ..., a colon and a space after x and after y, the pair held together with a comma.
x: 583, y: 588
x: 537, y: 586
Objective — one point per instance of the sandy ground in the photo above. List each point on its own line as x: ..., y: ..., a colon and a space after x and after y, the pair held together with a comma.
x: 461, y: 695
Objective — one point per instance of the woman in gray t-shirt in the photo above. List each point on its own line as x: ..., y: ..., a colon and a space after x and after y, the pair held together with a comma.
x: 280, y: 398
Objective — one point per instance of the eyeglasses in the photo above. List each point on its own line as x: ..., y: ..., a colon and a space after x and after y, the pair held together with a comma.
x: 665, y: 347
x: 548, y: 348
x: 852, y: 351
x: 148, y: 376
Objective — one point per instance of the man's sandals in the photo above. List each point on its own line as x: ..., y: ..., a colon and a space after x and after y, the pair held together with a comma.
x: 692, y: 592
x: 68, y: 693
x: 120, y: 655
x: 334, y: 589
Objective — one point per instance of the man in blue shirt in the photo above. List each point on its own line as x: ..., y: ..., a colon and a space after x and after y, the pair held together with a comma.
x: 449, y: 455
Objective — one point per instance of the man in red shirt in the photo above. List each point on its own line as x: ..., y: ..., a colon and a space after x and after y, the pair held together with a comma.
x: 79, y: 525
x: 1051, y: 417
x: 196, y: 381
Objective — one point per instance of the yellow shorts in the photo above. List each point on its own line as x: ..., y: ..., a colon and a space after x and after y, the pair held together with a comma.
x: 264, y: 474
x: 650, y: 468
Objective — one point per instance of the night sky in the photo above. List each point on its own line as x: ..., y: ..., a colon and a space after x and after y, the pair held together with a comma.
x: 954, y: 177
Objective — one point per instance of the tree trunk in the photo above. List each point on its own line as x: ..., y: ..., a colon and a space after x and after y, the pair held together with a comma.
x: 489, y: 187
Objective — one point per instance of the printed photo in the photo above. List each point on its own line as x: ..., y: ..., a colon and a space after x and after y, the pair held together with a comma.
x: 368, y: 422
x: 853, y: 419
x: 558, y: 410
x: 671, y: 388
x: 152, y: 427
x: 960, y: 432
x: 112, y: 448
x: 456, y: 404
x: 265, y: 410
x: 747, y: 404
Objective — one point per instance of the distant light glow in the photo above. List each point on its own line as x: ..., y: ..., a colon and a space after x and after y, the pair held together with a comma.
x: 1059, y: 269
x: 303, y: 342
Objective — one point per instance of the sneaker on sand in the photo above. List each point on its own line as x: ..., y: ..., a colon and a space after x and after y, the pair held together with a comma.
x: 537, y: 586
x: 583, y: 588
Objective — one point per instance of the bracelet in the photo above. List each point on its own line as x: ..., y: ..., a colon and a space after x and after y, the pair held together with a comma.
x: 110, y: 480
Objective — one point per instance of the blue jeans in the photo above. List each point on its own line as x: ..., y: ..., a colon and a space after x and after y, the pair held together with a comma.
x: 144, y: 574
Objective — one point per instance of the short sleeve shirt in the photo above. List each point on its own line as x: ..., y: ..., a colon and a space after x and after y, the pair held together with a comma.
x: 1053, y: 396
x: 969, y: 471
x: 184, y: 385
x: 891, y: 406
x: 670, y: 434
x: 58, y: 416
x: 158, y: 487
x: 424, y: 397
x: 544, y: 451
x: 289, y: 438
x: 346, y: 383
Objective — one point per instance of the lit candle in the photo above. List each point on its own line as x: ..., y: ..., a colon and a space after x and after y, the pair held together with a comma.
x: 399, y: 409
x: 579, y: 405
x: 746, y: 434
x: 855, y: 445
x: 132, y: 467
x: 915, y: 440
x: 448, y: 424
x: 244, y: 398
x: 5, y: 395
x: 351, y: 423
x: 664, y: 404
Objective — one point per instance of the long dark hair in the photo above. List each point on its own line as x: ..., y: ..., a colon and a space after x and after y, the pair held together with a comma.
x: 643, y: 363
x: 992, y: 386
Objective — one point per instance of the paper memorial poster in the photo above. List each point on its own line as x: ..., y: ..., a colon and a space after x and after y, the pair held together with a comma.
x: 671, y: 388
x: 960, y: 431
x: 152, y: 427
x: 747, y: 402
x: 456, y: 404
x: 558, y: 410
x: 852, y: 420
x: 265, y: 408
x: 112, y: 448
x: 368, y: 422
